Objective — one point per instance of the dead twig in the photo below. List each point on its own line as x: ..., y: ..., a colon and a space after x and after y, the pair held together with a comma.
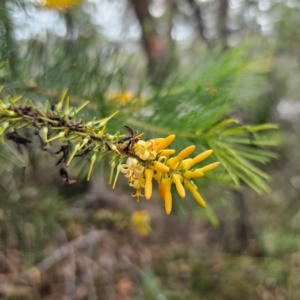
x: 91, y: 238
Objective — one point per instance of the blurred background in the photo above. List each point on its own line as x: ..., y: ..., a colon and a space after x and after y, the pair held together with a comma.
x: 168, y: 66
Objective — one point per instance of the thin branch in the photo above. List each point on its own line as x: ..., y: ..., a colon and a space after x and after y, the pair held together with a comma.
x: 87, y: 277
x: 69, y: 268
x: 91, y: 238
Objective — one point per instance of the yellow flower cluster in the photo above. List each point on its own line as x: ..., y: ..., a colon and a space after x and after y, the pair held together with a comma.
x: 151, y: 160
x: 63, y: 134
x: 141, y: 222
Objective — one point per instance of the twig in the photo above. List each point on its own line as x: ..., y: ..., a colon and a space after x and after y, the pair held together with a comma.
x: 87, y: 277
x: 69, y: 268
x: 93, y: 237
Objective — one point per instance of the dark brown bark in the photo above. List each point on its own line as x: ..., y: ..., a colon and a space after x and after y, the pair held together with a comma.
x: 154, y: 46
x: 223, y: 29
x: 239, y: 236
x: 199, y: 21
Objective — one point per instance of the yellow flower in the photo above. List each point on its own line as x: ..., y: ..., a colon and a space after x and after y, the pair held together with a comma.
x: 60, y: 5
x: 141, y: 222
x: 137, y: 194
x: 150, y: 149
x: 134, y: 172
x: 144, y: 150
x: 120, y: 97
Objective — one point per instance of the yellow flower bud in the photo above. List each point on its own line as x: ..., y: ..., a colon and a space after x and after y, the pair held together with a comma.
x: 166, y: 142
x: 166, y: 152
x: 149, y: 173
x: 181, y: 155
x: 177, y: 179
x: 157, y: 176
x: 200, y: 157
x: 167, y: 182
x: 186, y: 164
x: 193, y: 174
x: 209, y: 167
x: 161, y: 167
x: 161, y: 190
x: 156, y: 141
x: 193, y: 189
